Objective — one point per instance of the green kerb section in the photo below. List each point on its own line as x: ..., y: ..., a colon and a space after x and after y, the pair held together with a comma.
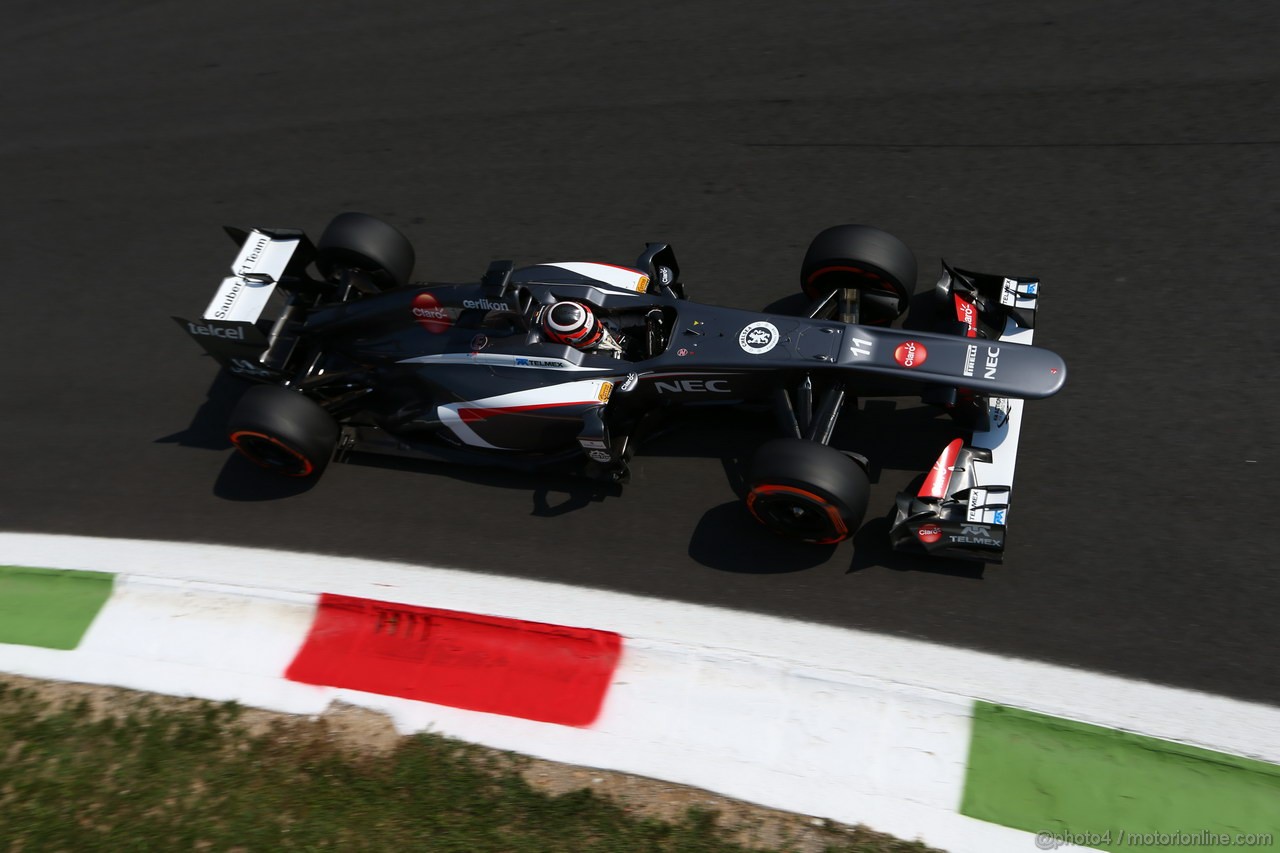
x: 49, y: 607
x: 1045, y: 774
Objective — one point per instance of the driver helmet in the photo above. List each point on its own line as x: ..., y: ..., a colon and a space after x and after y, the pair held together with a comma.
x: 572, y: 323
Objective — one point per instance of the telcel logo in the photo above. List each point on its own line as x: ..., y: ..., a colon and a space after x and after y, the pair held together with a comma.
x: 910, y: 354
x: 232, y: 334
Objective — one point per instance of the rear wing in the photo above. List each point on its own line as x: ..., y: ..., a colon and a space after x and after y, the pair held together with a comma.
x: 962, y: 508
x: 231, y: 328
x: 264, y: 258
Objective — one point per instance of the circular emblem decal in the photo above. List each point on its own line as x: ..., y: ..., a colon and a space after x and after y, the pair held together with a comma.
x: 429, y: 314
x: 910, y: 354
x: 758, y: 338
x: 929, y: 533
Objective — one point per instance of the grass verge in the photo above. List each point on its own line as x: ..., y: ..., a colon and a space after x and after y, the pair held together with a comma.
x: 169, y: 775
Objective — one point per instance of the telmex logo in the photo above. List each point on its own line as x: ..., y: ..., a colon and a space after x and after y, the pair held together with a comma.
x: 233, y: 334
x: 910, y: 354
x: 429, y: 314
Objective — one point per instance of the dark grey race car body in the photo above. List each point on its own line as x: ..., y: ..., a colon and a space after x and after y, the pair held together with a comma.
x: 359, y: 359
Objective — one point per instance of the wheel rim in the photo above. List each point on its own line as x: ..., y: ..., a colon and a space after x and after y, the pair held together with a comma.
x: 272, y: 454
x: 797, y: 514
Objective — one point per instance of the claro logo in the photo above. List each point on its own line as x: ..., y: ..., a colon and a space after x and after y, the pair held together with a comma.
x: 429, y: 314
x: 929, y: 533
x: 910, y: 354
x: 964, y: 313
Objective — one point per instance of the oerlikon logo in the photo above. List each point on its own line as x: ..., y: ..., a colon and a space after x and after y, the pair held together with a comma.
x: 427, y: 311
x: 910, y: 354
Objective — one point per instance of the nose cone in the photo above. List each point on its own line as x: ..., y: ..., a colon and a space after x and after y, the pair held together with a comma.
x: 1055, y: 370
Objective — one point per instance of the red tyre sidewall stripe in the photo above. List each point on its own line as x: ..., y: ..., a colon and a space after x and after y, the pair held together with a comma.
x: 235, y: 436
x: 842, y: 530
x: 880, y: 281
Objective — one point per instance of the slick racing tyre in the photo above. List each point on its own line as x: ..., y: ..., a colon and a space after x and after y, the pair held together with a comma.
x: 807, y: 491
x: 364, y: 244
x: 283, y: 431
x: 877, y: 264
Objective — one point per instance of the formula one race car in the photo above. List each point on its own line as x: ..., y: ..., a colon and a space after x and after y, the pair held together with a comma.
x: 566, y: 364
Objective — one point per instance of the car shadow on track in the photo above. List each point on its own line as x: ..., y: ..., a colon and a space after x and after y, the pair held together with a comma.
x: 897, y: 437
x: 241, y: 480
x: 552, y: 494
x: 728, y: 539
x: 208, y: 427
x: 871, y: 548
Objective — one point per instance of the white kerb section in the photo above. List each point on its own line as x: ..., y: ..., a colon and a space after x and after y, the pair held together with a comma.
x: 242, y: 297
x: 623, y: 278
x: 993, y: 481
x: 820, y: 720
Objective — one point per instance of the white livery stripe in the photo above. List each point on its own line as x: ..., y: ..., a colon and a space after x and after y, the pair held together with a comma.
x: 620, y: 277
x: 495, y: 359
x: 582, y: 392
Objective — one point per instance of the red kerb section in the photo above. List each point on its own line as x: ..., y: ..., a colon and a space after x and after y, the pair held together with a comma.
x: 505, y: 666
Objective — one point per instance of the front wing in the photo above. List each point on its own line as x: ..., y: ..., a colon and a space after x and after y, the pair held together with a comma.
x: 962, y: 509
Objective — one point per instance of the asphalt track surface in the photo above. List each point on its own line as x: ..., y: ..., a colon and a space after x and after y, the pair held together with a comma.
x: 1126, y: 153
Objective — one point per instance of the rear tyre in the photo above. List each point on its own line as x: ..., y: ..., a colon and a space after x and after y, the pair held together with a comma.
x: 283, y: 431
x: 807, y: 491
x: 870, y: 260
x: 365, y: 244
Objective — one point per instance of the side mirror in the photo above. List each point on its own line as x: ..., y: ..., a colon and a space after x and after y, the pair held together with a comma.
x: 658, y: 260
x: 497, y: 278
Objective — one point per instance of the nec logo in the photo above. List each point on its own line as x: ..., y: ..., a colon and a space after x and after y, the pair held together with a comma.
x: 233, y: 334
x: 693, y: 386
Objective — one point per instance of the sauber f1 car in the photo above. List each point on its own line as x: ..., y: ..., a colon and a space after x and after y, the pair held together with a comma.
x: 567, y: 364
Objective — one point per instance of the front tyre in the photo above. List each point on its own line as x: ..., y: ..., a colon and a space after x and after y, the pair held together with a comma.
x: 866, y: 259
x: 807, y: 491
x: 283, y: 431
